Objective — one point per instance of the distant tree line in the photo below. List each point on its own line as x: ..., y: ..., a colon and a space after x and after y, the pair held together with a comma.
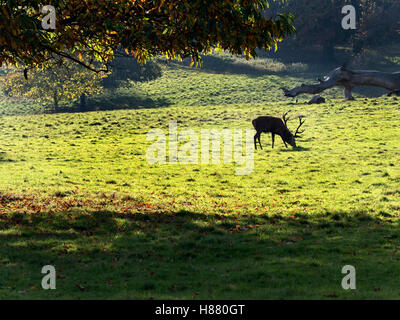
x: 318, y: 24
x: 125, y: 68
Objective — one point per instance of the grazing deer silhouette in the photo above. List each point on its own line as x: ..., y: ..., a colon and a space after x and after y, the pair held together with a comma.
x: 276, y: 126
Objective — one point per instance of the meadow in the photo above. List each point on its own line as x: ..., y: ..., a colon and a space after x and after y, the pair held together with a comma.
x: 77, y: 192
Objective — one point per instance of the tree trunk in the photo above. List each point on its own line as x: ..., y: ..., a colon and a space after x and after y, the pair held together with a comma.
x: 55, y: 96
x: 349, y: 79
x: 329, y: 53
x: 83, y: 102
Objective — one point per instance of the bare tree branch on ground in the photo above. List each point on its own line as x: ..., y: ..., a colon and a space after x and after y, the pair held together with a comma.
x: 349, y: 79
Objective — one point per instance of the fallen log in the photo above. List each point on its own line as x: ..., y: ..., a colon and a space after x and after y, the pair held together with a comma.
x: 349, y: 79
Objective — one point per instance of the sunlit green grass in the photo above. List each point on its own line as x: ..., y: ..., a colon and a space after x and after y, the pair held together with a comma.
x: 77, y: 192
x: 222, y: 81
x: 346, y: 160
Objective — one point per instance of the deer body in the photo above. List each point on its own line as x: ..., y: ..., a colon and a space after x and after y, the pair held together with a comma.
x: 276, y: 126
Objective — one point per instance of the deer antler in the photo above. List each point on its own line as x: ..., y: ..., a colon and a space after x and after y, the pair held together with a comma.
x: 297, y: 133
x: 285, y: 119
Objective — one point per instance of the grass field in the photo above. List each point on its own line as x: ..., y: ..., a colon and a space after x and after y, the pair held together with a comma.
x: 223, y: 80
x: 77, y: 192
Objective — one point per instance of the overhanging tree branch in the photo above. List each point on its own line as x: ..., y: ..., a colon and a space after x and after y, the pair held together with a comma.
x: 174, y: 28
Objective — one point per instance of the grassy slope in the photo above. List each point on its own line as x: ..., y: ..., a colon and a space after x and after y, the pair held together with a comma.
x: 78, y: 193
x: 253, y: 81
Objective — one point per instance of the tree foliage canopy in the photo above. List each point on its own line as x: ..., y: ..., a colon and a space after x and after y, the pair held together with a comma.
x: 95, y: 29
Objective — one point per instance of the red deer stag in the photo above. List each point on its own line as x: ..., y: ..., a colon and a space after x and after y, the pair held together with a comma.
x: 276, y: 126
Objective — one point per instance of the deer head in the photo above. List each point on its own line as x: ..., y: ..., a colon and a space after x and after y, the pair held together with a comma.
x: 291, y: 138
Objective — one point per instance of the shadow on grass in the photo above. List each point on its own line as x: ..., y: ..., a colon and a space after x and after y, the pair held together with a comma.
x: 118, y: 101
x: 224, y: 65
x: 5, y: 158
x: 297, y: 149
x: 188, y: 255
x: 115, y: 101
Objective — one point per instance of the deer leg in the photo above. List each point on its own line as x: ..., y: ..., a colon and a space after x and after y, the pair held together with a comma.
x: 273, y: 140
x: 284, y: 142
x: 257, y: 136
x: 259, y: 140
